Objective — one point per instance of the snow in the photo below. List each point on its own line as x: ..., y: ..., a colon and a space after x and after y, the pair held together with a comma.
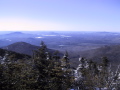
x: 119, y: 76
x: 61, y: 45
x: 38, y: 37
x: 8, y: 40
x: 65, y: 36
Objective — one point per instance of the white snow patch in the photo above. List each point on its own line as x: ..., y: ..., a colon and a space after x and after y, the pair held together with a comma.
x: 8, y: 40
x: 65, y: 36
x: 61, y: 45
x: 38, y: 37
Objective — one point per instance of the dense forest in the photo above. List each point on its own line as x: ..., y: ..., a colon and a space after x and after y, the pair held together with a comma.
x: 49, y: 71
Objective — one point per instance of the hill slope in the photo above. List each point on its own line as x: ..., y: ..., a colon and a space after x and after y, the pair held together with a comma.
x: 24, y: 48
x: 112, y: 52
x: 21, y: 47
x: 10, y: 53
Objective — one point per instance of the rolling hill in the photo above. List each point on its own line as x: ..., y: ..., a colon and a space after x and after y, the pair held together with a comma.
x: 10, y: 53
x: 24, y: 48
x: 112, y: 52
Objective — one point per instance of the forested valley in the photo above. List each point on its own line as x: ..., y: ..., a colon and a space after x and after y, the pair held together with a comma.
x: 51, y: 71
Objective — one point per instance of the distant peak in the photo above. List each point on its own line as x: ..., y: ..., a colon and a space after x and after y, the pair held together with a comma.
x: 17, y: 33
x: 21, y: 43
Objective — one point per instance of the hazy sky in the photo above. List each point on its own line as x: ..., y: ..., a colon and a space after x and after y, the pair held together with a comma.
x: 82, y: 15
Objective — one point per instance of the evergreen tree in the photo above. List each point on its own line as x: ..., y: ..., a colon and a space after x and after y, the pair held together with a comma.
x: 97, y: 75
x: 54, y: 73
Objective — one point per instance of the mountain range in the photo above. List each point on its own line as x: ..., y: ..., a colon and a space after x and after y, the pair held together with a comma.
x: 15, y: 55
x: 91, y: 45
x: 61, y: 40
x: 112, y: 52
x: 24, y: 48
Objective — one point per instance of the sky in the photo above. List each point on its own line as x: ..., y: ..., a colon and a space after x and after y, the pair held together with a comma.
x: 60, y: 15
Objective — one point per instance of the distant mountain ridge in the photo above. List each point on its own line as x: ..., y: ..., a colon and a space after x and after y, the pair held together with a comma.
x: 24, y: 48
x: 21, y: 47
x: 112, y: 52
x: 16, y: 33
x: 3, y: 52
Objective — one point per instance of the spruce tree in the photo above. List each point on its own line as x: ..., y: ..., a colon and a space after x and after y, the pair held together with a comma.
x: 54, y: 73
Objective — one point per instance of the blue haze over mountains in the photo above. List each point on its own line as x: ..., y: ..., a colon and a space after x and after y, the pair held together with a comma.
x: 76, y: 43
x: 60, y: 39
